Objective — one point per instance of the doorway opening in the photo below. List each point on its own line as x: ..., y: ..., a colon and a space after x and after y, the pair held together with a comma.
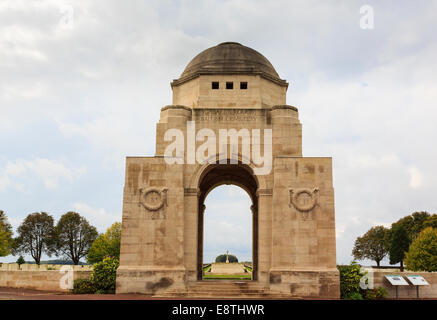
x: 228, y: 223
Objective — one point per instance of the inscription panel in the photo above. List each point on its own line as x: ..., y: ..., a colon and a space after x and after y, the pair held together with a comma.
x: 228, y: 115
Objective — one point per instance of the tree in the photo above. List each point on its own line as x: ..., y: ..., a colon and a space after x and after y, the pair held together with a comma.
x: 422, y: 255
x: 35, y: 236
x: 6, y: 239
x: 431, y: 221
x: 414, y: 223
x: 106, y: 245
x: 222, y: 258
x: 372, y: 245
x: 399, y: 244
x: 74, y: 236
x: 20, y: 260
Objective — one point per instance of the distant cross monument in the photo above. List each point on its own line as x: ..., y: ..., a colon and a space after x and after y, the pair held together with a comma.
x: 227, y: 256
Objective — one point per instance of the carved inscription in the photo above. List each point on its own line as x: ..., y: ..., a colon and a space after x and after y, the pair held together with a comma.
x: 219, y: 115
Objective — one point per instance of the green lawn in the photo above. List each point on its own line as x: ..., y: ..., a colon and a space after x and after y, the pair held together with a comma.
x: 227, y: 277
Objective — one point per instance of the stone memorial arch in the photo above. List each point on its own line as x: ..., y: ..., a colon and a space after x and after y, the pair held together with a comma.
x: 229, y: 124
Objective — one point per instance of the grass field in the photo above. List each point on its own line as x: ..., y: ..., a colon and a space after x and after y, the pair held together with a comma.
x: 227, y: 277
x: 207, y: 268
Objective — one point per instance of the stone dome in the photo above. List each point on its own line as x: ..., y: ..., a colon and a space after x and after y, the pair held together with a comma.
x: 229, y: 58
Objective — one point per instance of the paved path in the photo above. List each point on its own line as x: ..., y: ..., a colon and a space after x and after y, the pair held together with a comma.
x: 226, y: 268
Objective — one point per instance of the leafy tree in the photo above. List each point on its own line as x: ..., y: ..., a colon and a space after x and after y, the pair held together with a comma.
x: 106, y: 244
x: 35, y: 236
x: 20, y: 260
x: 222, y: 258
x: 422, y: 255
x: 372, y: 245
x: 399, y: 244
x: 414, y: 223
x: 6, y: 239
x: 74, y: 236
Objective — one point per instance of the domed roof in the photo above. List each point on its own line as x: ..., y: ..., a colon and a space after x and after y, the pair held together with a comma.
x: 229, y: 58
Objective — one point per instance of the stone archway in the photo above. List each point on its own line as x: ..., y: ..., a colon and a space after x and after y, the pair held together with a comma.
x: 213, y: 176
x: 294, y: 251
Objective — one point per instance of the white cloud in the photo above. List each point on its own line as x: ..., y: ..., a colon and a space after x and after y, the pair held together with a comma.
x: 19, y: 173
x: 339, y: 230
x: 415, y: 178
x: 228, y: 223
x: 98, y: 217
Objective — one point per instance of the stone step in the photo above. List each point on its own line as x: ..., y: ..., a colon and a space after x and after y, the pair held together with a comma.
x: 226, y: 283
x: 232, y: 290
x: 224, y: 289
x: 209, y: 295
x: 228, y: 289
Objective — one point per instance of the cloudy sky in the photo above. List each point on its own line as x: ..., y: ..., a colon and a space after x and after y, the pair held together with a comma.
x: 82, y: 83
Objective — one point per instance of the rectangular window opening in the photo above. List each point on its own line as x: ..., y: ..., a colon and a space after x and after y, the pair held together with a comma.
x: 243, y: 85
x: 229, y: 85
x: 215, y: 85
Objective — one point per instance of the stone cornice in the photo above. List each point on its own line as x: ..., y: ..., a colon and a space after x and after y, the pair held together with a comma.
x: 279, y: 107
x: 176, y: 106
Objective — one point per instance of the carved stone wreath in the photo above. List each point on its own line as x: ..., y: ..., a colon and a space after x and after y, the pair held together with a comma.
x: 152, y: 198
x: 296, y: 198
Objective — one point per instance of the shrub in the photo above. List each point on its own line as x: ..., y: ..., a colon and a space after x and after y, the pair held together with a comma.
x: 83, y: 286
x: 354, y: 296
x: 104, y: 274
x: 350, y: 276
x: 381, y: 293
x: 376, y: 293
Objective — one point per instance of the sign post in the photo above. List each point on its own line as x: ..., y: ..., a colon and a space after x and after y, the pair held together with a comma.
x: 396, y: 281
x: 417, y: 281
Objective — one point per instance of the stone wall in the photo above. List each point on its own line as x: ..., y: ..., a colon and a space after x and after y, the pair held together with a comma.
x: 408, y: 292
x: 43, y: 277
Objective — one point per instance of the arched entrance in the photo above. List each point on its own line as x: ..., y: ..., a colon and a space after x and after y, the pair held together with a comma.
x: 237, y: 174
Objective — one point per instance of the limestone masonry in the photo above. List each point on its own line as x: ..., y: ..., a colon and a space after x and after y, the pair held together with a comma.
x: 230, y: 86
